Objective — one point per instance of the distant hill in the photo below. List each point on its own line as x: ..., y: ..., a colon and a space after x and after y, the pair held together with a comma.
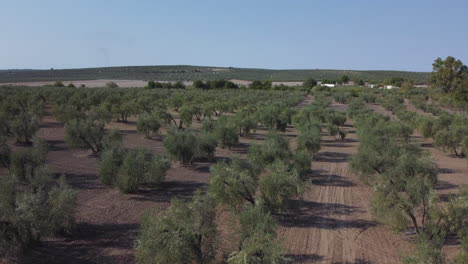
x: 189, y: 73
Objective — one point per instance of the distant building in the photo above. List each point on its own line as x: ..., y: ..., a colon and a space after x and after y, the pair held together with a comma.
x: 390, y: 87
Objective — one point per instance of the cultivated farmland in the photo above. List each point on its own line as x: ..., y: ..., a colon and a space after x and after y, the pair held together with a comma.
x: 347, y: 174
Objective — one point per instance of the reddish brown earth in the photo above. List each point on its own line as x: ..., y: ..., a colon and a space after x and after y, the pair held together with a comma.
x: 332, y: 223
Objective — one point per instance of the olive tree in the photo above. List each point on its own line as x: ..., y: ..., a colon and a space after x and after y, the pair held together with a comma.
x: 258, y: 240
x: 188, y: 145
x: 109, y: 166
x: 24, y: 126
x: 33, y: 203
x: 279, y: 186
x: 275, y: 147
x: 149, y: 124
x: 140, y: 166
x: 233, y: 182
x: 184, y: 233
x: 225, y: 131
x: 85, y: 133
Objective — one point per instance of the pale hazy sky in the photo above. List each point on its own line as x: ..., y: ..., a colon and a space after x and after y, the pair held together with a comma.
x: 332, y: 34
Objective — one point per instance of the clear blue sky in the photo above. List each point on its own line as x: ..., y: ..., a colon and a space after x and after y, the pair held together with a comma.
x: 287, y: 34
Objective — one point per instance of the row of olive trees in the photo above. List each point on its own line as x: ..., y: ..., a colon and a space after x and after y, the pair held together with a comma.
x: 187, y: 232
x: 266, y: 182
x: 128, y: 169
x: 34, y: 204
x: 403, y: 179
x: 450, y: 132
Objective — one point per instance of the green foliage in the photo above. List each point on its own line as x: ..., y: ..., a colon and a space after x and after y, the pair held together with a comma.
x: 225, y: 132
x: 185, y: 72
x: 275, y: 147
x: 279, y: 186
x: 403, y: 177
x: 449, y: 133
x: 25, y: 163
x: 309, y: 139
x: 233, y: 182
x: 407, y: 88
x: 149, y: 124
x: 275, y: 116
x: 33, y: 204
x: 111, y: 85
x: 344, y: 79
x: 428, y: 250
x: 140, y: 166
x: 310, y: 83
x: 24, y: 126
x: 424, y: 125
x: 246, y: 121
x: 187, y: 145
x: 86, y: 133
x: 259, y: 243
x: 111, y: 161
x: 448, y: 74
x: 184, y: 233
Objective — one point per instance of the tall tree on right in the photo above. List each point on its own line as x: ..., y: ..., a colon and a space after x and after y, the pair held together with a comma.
x: 448, y: 75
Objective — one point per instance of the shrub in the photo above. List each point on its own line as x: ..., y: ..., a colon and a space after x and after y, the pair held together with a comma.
x: 59, y: 84
x: 85, y: 134
x: 309, y: 140
x: 151, y: 84
x: 279, y: 186
x: 187, y: 145
x: 24, y: 163
x: 24, y: 126
x: 111, y: 85
x: 276, y: 147
x: 233, y: 182
x: 110, y: 164
x: 148, y: 124
x: 33, y: 204
x: 310, y: 83
x: 246, y: 122
x: 140, y: 166
x: 258, y: 241
x: 225, y: 132
x: 184, y: 233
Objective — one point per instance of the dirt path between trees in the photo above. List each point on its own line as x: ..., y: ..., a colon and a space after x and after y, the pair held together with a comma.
x: 333, y: 223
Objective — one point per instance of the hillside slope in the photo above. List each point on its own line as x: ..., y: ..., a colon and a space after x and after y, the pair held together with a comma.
x: 189, y: 73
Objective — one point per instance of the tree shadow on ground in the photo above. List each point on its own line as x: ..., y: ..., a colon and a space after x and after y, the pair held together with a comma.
x: 444, y: 185
x: 322, y: 179
x: 356, y: 261
x: 335, y: 157
x: 322, y: 215
x: 303, y: 258
x: 445, y: 170
x: 168, y: 190
x: 81, y: 181
x: 301, y: 207
x: 57, y: 145
x: 86, y: 244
